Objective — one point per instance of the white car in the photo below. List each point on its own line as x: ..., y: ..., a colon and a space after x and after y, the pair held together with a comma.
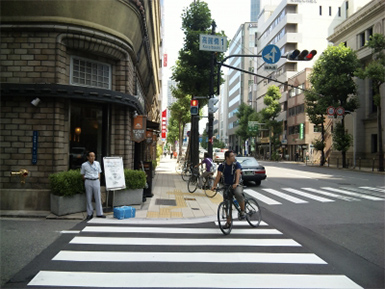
x: 219, y: 155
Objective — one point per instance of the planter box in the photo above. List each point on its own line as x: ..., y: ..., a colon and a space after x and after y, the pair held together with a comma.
x: 61, y: 206
x: 128, y: 197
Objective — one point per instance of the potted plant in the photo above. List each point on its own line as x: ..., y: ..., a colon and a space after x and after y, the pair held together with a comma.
x: 133, y: 193
x: 67, y: 193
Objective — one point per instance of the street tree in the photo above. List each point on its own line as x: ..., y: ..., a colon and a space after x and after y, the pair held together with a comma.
x: 180, y: 112
x: 269, y: 116
x: 172, y: 133
x: 375, y: 71
x: 193, y: 67
x: 243, y: 114
x: 316, y: 109
x: 332, y: 79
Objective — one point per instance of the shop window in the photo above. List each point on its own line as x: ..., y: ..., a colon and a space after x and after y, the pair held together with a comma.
x: 90, y: 73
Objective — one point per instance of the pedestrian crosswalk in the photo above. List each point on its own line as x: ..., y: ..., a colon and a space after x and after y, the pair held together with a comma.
x: 322, y: 195
x: 110, y: 254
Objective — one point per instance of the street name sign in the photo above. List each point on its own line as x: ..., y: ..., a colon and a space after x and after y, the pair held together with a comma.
x: 270, y: 67
x: 209, y: 42
x: 271, y: 54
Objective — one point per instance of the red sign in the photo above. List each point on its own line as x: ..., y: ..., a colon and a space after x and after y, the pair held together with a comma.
x: 165, y: 60
x: 164, y: 124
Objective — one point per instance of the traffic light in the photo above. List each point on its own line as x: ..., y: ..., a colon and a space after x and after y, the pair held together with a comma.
x: 212, y: 102
x: 303, y: 55
x: 311, y: 55
x: 194, y: 107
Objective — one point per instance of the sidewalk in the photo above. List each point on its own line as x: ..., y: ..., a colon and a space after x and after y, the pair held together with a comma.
x: 171, y: 200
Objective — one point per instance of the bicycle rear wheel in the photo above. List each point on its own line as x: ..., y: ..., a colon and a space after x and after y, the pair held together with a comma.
x: 192, y: 184
x: 223, y: 211
x: 208, y: 184
x: 253, y: 212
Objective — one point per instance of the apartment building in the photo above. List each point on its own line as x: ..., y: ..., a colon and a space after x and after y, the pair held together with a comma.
x: 294, y: 24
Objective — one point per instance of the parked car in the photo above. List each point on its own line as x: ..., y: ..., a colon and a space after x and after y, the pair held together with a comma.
x: 252, y: 170
x: 219, y: 155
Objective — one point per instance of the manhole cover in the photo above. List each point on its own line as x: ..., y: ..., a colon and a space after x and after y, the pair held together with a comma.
x: 165, y: 202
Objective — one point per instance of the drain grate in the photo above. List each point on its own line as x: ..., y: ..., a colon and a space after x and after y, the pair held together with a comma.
x: 190, y: 199
x: 165, y: 202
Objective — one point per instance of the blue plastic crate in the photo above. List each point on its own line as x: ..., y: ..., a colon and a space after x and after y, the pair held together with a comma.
x: 124, y: 212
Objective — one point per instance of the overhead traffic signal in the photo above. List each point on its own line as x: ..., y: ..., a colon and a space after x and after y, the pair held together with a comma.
x: 194, y: 107
x: 303, y: 55
x: 212, y: 102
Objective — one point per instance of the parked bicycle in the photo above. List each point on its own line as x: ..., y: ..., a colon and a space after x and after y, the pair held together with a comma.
x: 197, y: 181
x: 225, y: 210
x: 187, y: 171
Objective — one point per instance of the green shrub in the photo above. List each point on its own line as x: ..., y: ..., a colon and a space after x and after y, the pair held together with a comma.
x: 67, y: 183
x: 135, y: 179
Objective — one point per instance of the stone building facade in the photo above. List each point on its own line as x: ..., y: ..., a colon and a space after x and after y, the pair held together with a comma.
x: 74, y: 74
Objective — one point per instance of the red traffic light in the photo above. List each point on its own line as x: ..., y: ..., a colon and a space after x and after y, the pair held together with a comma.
x: 311, y: 55
x: 194, y: 102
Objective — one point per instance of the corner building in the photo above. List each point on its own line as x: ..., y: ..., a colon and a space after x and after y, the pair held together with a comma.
x: 73, y: 76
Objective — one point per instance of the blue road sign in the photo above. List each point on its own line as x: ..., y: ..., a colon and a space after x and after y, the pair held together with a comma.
x: 271, y: 54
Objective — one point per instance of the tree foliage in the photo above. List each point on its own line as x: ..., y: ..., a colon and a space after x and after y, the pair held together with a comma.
x: 269, y: 116
x: 333, y: 85
x: 192, y: 69
x: 243, y: 114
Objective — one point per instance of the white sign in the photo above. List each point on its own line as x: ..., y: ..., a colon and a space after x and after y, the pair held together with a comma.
x: 114, y: 173
x: 270, y: 67
x: 212, y: 43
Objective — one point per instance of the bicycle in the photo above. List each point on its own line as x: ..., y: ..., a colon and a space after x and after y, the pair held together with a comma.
x: 252, y: 210
x: 196, y: 180
x: 187, y: 171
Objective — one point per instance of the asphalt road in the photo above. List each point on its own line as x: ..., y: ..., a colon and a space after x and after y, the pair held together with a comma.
x: 23, y: 239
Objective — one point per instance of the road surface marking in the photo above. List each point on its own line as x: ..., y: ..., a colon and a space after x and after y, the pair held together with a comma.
x: 286, y: 196
x: 310, y: 196
x: 261, y: 197
x: 190, y: 280
x: 349, y: 199
x: 352, y: 194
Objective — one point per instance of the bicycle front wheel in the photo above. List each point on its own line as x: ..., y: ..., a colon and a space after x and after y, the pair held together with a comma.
x: 253, y: 212
x: 223, y: 214
x: 186, y: 174
x: 179, y: 168
x: 208, y: 184
x: 192, y: 184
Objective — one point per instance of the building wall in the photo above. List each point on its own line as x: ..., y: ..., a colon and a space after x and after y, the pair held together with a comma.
x: 37, y: 46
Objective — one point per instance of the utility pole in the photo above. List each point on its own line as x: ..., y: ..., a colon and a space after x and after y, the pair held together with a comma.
x: 211, y: 95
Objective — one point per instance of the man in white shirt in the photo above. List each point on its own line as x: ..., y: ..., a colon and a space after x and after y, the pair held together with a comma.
x: 90, y: 171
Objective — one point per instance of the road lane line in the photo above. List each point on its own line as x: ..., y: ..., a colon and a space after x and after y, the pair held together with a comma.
x: 261, y: 197
x: 310, y: 196
x: 190, y: 280
x: 183, y: 242
x: 352, y: 194
x: 286, y: 196
x: 349, y: 199
x: 164, y: 230
x: 200, y: 257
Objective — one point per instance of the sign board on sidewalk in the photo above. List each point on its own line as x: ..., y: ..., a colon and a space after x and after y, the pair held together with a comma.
x: 209, y: 42
x: 114, y: 173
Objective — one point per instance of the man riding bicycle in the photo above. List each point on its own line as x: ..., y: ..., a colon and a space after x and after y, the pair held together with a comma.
x: 230, y: 173
x: 210, y: 166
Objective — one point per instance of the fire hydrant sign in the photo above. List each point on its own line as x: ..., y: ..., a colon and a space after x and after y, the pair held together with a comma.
x: 209, y: 42
x: 114, y: 173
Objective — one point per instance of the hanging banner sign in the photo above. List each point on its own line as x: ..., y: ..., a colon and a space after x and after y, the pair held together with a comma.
x: 149, y: 136
x: 164, y: 124
x: 154, y: 139
x: 139, y: 128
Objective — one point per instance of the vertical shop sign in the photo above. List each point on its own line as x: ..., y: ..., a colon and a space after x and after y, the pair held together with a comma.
x: 34, y: 147
x: 139, y: 129
x: 164, y: 124
x: 149, y: 136
x: 301, y: 127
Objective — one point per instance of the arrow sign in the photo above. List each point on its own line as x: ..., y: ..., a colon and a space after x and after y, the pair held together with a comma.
x: 271, y: 54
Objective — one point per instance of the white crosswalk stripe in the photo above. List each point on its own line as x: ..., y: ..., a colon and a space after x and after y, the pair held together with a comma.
x: 183, y: 256
x: 275, y: 197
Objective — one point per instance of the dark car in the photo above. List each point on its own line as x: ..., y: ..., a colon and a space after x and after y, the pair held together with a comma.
x: 252, y: 170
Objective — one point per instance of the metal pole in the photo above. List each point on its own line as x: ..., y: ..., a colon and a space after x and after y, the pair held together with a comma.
x: 211, y: 93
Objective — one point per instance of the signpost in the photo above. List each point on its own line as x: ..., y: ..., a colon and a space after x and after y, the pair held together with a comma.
x: 212, y: 43
x: 253, y: 126
x: 331, y: 111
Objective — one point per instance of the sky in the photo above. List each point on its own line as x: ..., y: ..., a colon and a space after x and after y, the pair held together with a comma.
x: 228, y: 16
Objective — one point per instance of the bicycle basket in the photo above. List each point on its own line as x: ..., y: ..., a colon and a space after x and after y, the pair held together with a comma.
x: 195, y: 172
